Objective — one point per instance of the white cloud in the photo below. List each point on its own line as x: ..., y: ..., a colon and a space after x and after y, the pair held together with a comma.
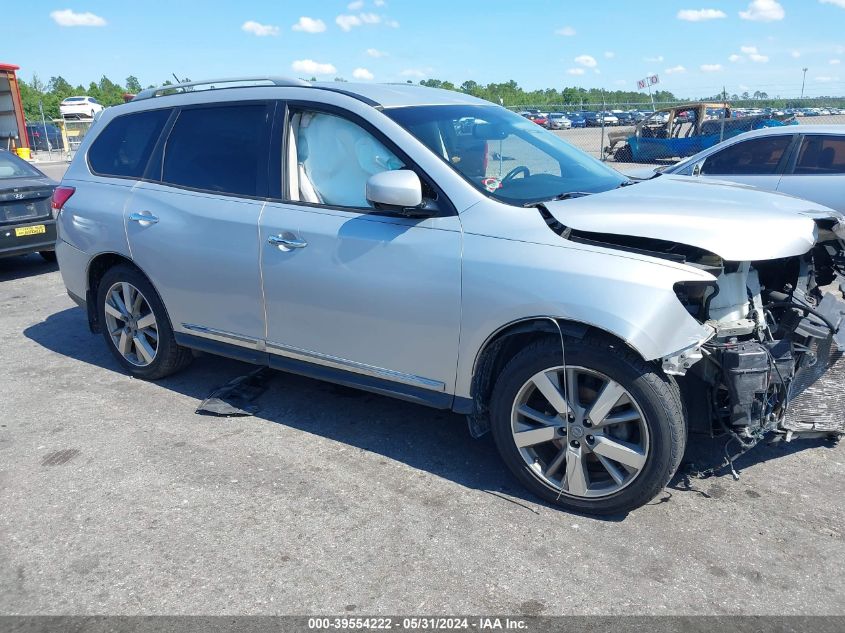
x: 700, y: 15
x: 575, y: 71
x: 261, y: 30
x: 748, y: 50
x: 362, y: 73
x: 66, y: 17
x: 566, y: 31
x: 379, y: 3
x: 836, y: 3
x: 657, y: 59
x: 356, y: 5
x: 835, y: 62
x: 735, y: 58
x: 347, y: 22
x: 763, y: 11
x: 310, y: 67
x: 413, y: 72
x: 760, y: 59
x: 309, y: 25
x: 586, y: 60
x: 796, y: 54
x: 825, y: 79
x: 609, y: 54
x: 711, y: 68
x: 676, y: 69
x: 374, y: 52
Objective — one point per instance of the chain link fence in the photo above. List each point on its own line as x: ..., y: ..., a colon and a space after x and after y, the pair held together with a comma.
x: 630, y: 136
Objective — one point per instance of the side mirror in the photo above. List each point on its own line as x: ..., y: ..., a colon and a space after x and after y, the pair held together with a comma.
x: 394, y: 190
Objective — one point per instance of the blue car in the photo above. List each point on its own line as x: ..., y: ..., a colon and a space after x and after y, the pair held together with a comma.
x: 682, y: 131
x: 577, y: 119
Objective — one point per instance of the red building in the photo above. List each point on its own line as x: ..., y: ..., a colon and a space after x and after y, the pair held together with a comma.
x: 12, y: 121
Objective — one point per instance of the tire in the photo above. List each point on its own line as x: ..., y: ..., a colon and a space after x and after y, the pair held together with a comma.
x: 624, y: 154
x: 49, y: 256
x: 168, y: 357
x: 654, y: 426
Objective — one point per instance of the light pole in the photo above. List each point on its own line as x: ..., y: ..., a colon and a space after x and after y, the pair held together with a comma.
x: 803, y: 80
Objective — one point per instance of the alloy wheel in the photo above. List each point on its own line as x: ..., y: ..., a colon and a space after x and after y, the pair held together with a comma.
x: 131, y: 324
x: 580, y: 432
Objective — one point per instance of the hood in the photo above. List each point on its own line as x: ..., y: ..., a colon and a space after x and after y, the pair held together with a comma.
x: 735, y: 222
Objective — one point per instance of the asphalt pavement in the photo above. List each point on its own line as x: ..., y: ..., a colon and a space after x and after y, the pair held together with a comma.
x: 117, y: 498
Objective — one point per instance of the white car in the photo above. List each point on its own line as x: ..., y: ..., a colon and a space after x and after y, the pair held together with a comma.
x: 82, y: 107
x: 800, y: 160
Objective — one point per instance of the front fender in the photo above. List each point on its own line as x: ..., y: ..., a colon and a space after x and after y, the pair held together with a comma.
x: 629, y: 296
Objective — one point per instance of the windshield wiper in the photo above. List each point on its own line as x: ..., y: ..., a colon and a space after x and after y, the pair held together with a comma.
x: 571, y: 194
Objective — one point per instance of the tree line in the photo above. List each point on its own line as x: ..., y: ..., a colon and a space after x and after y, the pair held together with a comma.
x: 36, y: 93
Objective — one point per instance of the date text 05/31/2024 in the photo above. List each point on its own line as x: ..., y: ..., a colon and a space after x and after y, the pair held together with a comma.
x: 417, y: 623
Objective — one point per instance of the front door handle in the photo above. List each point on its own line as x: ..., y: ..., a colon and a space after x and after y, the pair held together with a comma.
x: 288, y: 240
x: 144, y: 217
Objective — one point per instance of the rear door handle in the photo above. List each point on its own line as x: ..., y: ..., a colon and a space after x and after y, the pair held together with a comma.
x: 144, y: 217
x: 288, y: 240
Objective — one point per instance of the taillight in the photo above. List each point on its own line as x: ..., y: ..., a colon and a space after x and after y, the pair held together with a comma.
x: 61, y: 194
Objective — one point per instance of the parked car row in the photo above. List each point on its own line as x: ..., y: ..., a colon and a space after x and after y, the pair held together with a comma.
x: 592, y: 323
x: 584, y: 118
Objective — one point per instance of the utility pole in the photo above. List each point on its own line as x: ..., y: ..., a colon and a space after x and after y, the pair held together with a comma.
x: 803, y: 81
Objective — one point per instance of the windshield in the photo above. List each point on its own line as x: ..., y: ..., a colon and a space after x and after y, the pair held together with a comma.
x: 504, y: 155
x: 14, y: 167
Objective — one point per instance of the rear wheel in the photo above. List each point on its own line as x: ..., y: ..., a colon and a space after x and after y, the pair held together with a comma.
x: 601, y: 434
x: 136, y: 327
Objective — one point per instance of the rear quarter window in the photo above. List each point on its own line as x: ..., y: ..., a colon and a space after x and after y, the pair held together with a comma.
x: 123, y: 148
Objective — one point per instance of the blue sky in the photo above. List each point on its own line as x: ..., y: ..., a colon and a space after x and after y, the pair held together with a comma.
x: 695, y: 47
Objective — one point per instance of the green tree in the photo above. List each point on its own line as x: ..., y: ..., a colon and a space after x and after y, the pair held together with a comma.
x: 132, y: 84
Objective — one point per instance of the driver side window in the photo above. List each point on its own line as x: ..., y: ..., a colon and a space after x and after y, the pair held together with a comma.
x: 331, y: 158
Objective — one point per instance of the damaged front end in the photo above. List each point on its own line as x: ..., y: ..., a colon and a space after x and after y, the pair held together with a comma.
x: 776, y: 361
x: 775, y: 303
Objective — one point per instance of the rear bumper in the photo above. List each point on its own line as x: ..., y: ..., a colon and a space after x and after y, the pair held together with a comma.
x: 11, y: 244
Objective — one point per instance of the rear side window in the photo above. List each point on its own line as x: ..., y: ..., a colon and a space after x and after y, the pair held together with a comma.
x: 219, y: 148
x: 755, y: 157
x: 124, y: 147
x: 821, y: 155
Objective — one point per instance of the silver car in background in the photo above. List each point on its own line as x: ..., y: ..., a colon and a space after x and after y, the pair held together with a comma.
x: 799, y: 160
x: 558, y: 121
x: 427, y: 245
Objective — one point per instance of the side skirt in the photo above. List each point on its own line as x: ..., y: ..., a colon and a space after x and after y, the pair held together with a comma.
x: 418, y: 395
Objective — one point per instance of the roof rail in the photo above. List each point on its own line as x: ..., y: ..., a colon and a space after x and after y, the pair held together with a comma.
x: 218, y: 84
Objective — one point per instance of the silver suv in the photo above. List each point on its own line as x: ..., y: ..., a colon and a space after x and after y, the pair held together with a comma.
x: 430, y: 246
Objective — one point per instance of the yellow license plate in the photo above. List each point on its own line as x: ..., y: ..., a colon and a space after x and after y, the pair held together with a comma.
x: 30, y: 230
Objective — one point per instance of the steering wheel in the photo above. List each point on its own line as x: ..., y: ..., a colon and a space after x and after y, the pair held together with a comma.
x: 513, y: 173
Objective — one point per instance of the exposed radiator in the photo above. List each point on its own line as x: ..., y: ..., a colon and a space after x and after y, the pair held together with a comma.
x: 817, y: 394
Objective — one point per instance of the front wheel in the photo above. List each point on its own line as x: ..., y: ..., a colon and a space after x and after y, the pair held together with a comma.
x: 136, y: 327
x: 599, y: 431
